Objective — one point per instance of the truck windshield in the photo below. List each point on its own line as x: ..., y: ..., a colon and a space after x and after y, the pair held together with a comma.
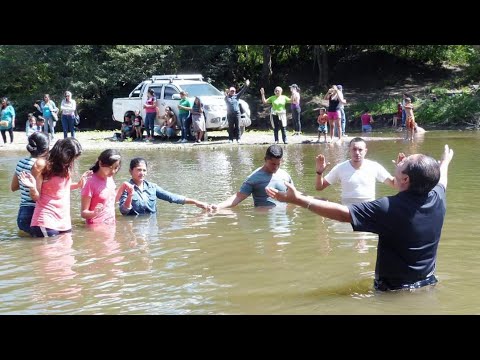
x: 201, y: 90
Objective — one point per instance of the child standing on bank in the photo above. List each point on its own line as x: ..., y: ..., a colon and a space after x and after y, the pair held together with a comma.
x: 322, y: 121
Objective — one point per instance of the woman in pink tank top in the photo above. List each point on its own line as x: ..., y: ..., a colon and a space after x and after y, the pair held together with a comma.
x: 51, y: 190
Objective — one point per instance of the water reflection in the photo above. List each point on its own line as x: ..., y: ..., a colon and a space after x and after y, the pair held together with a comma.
x: 237, y: 261
x: 54, y: 260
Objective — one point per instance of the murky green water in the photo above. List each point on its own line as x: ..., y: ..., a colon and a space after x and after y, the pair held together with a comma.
x: 241, y: 261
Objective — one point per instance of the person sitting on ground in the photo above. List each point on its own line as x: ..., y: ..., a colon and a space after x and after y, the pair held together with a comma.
x: 31, y: 126
x: 41, y: 125
x: 408, y: 224
x: 322, y: 121
x: 169, y: 126
x: 137, y: 125
x: 127, y: 130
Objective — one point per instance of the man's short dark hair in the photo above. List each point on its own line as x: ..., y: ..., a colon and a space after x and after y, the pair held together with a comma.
x: 423, y: 172
x: 274, y: 151
x: 355, y: 140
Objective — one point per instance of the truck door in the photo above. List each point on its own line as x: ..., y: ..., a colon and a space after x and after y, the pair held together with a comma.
x: 157, y: 88
x: 167, y: 100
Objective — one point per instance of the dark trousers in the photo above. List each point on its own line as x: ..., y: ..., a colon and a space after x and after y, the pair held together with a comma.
x: 233, y: 125
x: 297, y: 125
x: 188, y: 125
x: 4, y: 135
x: 277, y: 125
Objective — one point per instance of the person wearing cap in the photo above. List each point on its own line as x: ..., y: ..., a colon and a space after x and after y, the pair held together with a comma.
x: 295, y: 107
x: 343, y: 118
x: 233, y: 111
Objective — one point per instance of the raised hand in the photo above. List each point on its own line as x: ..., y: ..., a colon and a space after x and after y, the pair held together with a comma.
x: 400, y: 158
x: 447, y: 155
x: 321, y: 163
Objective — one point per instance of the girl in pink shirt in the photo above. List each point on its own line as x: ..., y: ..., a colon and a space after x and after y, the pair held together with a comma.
x: 51, y: 189
x: 98, y: 194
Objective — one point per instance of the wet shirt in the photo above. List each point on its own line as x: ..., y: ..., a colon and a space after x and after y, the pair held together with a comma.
x: 101, y: 191
x: 409, y: 228
x: 256, y: 182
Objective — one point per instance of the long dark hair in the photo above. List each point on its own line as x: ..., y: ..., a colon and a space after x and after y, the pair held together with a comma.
x: 107, y: 158
x: 62, y: 157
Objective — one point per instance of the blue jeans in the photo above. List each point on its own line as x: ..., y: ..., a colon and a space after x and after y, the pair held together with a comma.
x: 24, y: 218
x: 404, y: 118
x: 68, y: 124
x: 183, y: 122
x: 150, y: 123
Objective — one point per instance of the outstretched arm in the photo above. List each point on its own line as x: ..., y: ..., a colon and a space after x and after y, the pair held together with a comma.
x: 197, y: 203
x: 444, y: 162
x: 326, y: 209
x: 232, y: 201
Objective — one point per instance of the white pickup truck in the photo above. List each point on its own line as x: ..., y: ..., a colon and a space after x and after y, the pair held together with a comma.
x: 167, y: 90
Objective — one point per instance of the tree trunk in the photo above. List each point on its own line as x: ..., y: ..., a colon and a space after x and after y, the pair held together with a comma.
x: 320, y: 59
x: 267, y: 66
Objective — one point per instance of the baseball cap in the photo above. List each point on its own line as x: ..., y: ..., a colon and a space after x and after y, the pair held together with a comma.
x: 232, y: 89
x: 340, y: 87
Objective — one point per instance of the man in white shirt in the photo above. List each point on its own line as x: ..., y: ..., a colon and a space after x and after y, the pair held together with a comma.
x: 357, y: 176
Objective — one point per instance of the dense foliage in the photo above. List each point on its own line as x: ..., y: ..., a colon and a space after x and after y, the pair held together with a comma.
x: 97, y: 73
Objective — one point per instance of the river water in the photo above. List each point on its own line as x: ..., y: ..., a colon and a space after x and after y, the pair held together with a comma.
x: 238, y: 261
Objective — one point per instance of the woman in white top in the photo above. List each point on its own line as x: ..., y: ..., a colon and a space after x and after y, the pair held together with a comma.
x: 68, y: 108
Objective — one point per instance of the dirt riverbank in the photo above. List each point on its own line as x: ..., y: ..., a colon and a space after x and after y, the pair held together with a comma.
x: 99, y: 140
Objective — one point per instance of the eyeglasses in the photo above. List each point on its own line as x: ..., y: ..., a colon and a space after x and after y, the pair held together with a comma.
x: 67, y: 95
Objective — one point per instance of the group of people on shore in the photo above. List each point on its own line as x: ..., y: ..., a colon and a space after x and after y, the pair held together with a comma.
x: 46, y: 119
